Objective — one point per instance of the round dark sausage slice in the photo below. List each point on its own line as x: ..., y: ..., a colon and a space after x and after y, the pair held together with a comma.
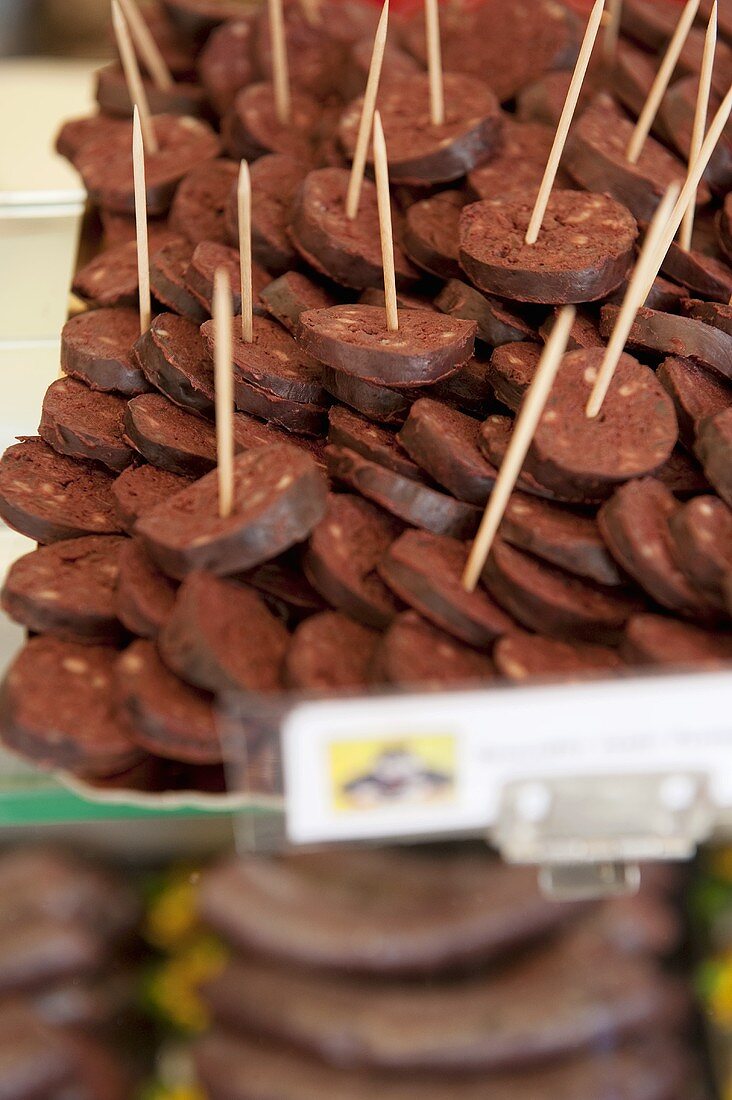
x: 75, y: 133
x: 354, y: 339
x: 425, y: 571
x: 349, y: 252
x: 141, y: 488
x: 113, y: 97
x: 106, y: 164
x: 705, y: 275
x: 207, y: 258
x: 330, y: 652
x: 226, y: 63
x: 411, y: 501
x: 560, y: 536
x: 57, y: 708
x: 714, y: 450
x: 250, y: 128
x: 343, y: 553
x: 494, y: 438
x: 316, y: 59
x: 696, y: 393
x: 421, y: 153
x: 584, y: 252
x: 144, y: 597
x: 198, y: 211
x: 169, y: 718
x: 414, y: 654
x: 521, y: 657
x: 549, y: 601
x: 582, y: 458
x: 444, y: 442
x: 170, y: 438
x: 676, y: 117
x: 292, y: 294
x: 516, y: 171
x: 275, y: 182
x: 280, y: 495
x: 96, y: 346
x: 348, y: 429
x: 716, y: 314
x: 497, y: 323
x: 378, y: 403
x: 701, y: 532
x: 430, y: 236
x: 173, y: 358
x: 50, y: 497
x: 76, y: 421
x: 168, y: 268
x: 667, y: 334
x: 511, y: 371
x: 635, y: 526
x: 221, y: 637
x: 661, y: 640
x: 110, y: 279
x: 67, y: 590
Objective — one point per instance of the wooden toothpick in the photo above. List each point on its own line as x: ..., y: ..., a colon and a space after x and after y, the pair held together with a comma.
x: 150, y: 53
x: 434, y: 63
x: 612, y: 31
x: 143, y: 255
x: 381, y: 171
x: 132, y: 76
x: 661, y: 83
x: 224, y: 389
x: 526, y: 424
x: 244, y: 208
x: 280, y: 68
x: 565, y: 121
x: 635, y: 296
x: 365, y: 127
x: 700, y: 119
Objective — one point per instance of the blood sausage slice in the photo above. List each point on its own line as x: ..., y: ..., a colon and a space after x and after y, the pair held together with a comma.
x: 86, y: 425
x: 714, y: 451
x: 198, y: 211
x: 96, y: 347
x: 522, y: 657
x: 701, y: 533
x: 169, y: 437
x: 330, y: 652
x: 661, y: 640
x: 141, y: 488
x: 444, y: 443
x: 173, y: 358
x: 144, y: 597
x: 414, y: 654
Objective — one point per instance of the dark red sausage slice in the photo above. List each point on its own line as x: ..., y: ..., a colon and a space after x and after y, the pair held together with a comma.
x: 207, y: 258
x: 251, y: 129
x: 76, y: 421
x: 497, y: 323
x: 330, y: 652
x: 348, y: 429
x: 226, y: 63
x: 411, y: 501
x: 75, y: 133
x: 715, y: 314
x: 170, y: 438
x: 275, y: 182
x: 494, y: 438
x: 661, y: 640
x: 50, y: 497
x: 595, y: 158
x: 695, y: 392
x: 560, y: 536
x: 57, y: 708
x: 521, y: 657
x: 543, y: 100
x: 113, y: 97
x: 634, y: 435
x: 144, y: 596
x: 584, y: 251
x: 168, y: 268
x: 315, y: 58
x: 279, y: 496
x: 198, y: 211
x: 141, y: 488
x: 549, y: 601
x: 96, y: 347
x: 169, y: 718
x: 343, y: 553
x: 106, y: 164
x: 292, y: 294
x: 346, y: 251
x: 671, y: 335
x: 635, y: 526
x: 378, y: 403
x: 397, y: 66
x: 676, y: 116
x: 701, y: 532
x: 419, y: 152
x: 430, y: 235
x: 714, y: 450
x: 517, y: 169
x: 584, y: 332
x: 425, y: 571
x: 173, y: 358
x: 511, y: 370
x: 67, y: 589
x: 221, y: 637
x: 110, y: 279
x: 354, y: 339
x: 414, y: 654
x: 705, y: 275
x: 444, y: 442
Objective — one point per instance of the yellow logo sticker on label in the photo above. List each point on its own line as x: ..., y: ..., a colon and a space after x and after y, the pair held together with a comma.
x: 381, y: 773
